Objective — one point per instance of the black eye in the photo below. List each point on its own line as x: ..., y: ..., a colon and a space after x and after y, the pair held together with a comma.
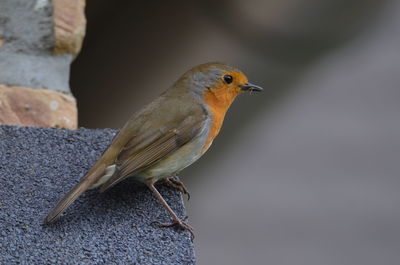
x: 228, y: 79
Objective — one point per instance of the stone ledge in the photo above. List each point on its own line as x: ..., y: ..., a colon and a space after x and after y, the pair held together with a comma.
x: 39, y: 165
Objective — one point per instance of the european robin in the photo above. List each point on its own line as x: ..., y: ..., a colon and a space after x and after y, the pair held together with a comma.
x: 166, y: 136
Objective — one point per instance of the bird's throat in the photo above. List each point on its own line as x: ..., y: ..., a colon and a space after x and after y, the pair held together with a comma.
x: 218, y: 101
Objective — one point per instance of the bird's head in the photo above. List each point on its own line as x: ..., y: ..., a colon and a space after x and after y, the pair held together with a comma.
x: 217, y: 83
x: 218, y: 77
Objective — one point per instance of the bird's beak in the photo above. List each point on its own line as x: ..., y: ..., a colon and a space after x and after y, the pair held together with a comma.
x: 251, y: 87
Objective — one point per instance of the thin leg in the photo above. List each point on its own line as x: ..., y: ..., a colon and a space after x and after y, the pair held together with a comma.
x: 177, y: 184
x: 176, y: 220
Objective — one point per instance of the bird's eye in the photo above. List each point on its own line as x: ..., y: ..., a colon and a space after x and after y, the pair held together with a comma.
x: 228, y: 79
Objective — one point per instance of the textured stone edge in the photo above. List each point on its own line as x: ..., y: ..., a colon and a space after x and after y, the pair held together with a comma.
x: 38, y: 165
x: 37, y: 107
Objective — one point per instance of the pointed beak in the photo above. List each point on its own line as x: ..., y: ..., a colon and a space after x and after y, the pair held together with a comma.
x: 251, y: 87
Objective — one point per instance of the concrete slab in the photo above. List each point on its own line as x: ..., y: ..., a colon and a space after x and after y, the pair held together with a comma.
x: 38, y: 166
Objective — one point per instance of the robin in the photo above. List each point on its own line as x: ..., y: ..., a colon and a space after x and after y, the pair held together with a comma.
x: 166, y: 136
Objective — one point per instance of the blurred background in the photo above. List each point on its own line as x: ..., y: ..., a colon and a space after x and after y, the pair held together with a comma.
x: 306, y: 172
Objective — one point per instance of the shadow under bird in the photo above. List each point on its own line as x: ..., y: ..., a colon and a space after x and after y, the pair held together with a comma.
x: 166, y: 136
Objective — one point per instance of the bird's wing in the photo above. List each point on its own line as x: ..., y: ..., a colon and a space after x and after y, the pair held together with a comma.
x: 141, y: 152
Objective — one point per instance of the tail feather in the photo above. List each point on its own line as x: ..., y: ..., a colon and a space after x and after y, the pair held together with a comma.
x: 91, y: 178
x: 85, y: 183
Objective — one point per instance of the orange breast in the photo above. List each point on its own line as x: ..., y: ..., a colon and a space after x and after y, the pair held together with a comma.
x: 218, y: 100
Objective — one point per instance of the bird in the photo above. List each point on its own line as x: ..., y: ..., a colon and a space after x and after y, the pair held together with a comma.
x: 167, y: 135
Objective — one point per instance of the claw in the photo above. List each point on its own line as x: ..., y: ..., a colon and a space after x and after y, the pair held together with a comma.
x: 179, y: 223
x: 177, y: 184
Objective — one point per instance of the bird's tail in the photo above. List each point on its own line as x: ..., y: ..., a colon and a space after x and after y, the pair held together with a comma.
x: 85, y: 183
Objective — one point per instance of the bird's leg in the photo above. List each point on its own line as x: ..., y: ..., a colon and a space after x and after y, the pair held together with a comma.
x: 176, y: 221
x: 176, y: 184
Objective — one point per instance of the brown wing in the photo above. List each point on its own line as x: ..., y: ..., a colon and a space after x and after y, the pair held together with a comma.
x: 139, y: 154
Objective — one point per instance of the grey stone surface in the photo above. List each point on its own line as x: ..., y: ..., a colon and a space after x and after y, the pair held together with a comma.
x: 37, y: 166
x: 26, y: 26
x: 35, y: 71
x: 26, y: 56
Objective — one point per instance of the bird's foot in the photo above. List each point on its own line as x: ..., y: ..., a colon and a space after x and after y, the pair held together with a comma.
x: 178, y: 223
x: 177, y: 184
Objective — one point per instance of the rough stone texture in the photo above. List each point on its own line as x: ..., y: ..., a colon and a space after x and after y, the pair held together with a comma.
x: 37, y: 166
x: 26, y: 26
x: 37, y: 107
x: 69, y: 25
